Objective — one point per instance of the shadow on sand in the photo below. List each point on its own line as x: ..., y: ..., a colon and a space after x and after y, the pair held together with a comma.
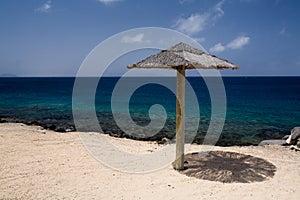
x: 227, y: 167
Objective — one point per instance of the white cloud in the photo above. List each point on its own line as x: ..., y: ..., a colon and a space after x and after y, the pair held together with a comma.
x: 282, y: 31
x: 198, y: 22
x: 217, y: 9
x: 217, y: 48
x: 185, y: 1
x: 133, y: 39
x: 107, y: 2
x: 238, y: 42
x: 46, y: 7
x: 193, y: 24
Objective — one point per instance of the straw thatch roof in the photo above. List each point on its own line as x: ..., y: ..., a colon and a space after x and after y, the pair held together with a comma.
x: 183, y: 55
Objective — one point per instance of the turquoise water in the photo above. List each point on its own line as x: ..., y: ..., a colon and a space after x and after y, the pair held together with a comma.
x: 257, y: 107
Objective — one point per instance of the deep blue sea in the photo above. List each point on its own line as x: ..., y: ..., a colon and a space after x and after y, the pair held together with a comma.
x: 257, y: 107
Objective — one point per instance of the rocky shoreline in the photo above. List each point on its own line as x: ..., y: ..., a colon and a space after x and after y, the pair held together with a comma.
x: 67, y: 125
x: 49, y: 125
x: 292, y: 140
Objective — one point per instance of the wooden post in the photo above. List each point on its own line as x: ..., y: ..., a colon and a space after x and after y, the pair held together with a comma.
x: 180, y: 94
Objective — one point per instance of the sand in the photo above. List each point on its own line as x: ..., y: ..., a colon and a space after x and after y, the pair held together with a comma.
x: 42, y: 164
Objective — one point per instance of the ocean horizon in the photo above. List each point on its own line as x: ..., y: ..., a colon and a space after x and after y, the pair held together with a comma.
x: 258, y: 107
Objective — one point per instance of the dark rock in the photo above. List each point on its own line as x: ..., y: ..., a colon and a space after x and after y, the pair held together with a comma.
x: 69, y: 128
x: 12, y: 120
x: 294, y: 147
x: 116, y: 133
x: 164, y: 141
x: 32, y: 122
x: 285, y: 137
x: 272, y: 142
x: 295, y: 135
x: 3, y: 120
x: 271, y: 133
x: 64, y: 128
x: 50, y: 126
x: 60, y: 129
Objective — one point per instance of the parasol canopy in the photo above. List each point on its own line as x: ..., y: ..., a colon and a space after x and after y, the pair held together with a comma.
x: 183, y: 54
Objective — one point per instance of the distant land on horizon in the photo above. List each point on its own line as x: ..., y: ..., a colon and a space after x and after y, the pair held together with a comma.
x: 8, y: 75
x: 17, y: 76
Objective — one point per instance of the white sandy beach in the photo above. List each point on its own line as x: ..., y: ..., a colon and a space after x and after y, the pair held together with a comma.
x: 42, y: 164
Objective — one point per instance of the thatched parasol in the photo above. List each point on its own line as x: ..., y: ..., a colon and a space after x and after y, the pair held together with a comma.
x: 181, y: 57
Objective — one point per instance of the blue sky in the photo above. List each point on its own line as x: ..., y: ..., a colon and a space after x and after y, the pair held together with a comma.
x: 52, y: 37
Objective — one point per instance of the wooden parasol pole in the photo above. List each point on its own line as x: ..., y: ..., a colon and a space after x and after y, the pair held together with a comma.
x: 180, y: 104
